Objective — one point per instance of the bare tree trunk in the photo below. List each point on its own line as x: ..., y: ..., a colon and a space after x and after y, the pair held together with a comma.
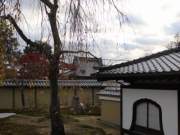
x: 57, y: 127
x: 22, y: 94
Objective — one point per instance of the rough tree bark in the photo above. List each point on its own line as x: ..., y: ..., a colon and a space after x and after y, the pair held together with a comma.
x: 57, y: 127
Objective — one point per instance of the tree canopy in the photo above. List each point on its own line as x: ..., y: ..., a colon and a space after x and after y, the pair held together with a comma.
x: 33, y: 66
x: 42, y: 48
x: 1, y: 62
x: 67, y: 21
x: 8, y: 48
x: 175, y: 43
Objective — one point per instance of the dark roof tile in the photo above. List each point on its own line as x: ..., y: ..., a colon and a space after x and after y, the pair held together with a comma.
x: 163, y: 62
x: 45, y: 83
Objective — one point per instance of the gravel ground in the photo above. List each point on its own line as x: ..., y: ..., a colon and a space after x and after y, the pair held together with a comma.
x: 39, y: 125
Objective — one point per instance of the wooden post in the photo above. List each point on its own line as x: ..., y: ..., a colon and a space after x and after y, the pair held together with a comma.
x: 13, y: 98
x: 22, y: 94
x: 75, y: 91
x: 92, y: 90
x: 35, y: 97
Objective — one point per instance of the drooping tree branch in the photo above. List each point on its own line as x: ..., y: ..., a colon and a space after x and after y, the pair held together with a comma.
x: 117, y: 9
x: 47, y: 3
x: 18, y: 29
x: 76, y: 52
x: 122, y: 15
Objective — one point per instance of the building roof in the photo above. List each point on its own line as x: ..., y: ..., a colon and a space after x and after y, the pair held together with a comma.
x: 163, y: 63
x: 45, y: 83
x: 78, y: 60
x: 110, y: 91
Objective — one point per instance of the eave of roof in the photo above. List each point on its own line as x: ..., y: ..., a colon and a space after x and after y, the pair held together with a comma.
x: 162, y: 64
x: 156, y: 55
x: 105, y: 77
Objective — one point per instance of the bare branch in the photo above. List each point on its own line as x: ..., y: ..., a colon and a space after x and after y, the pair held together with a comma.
x: 76, y: 52
x: 124, y: 17
x: 46, y: 9
x: 55, y: 2
x: 117, y: 9
x: 2, y: 5
x: 18, y: 29
x: 47, y: 3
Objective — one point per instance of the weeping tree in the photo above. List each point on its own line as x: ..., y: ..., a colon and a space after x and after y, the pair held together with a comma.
x: 67, y: 26
x: 8, y: 50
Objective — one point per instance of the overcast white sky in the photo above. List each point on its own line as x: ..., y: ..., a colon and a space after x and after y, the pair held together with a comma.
x: 153, y: 24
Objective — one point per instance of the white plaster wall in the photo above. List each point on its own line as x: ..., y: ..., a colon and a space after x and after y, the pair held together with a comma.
x: 87, y: 67
x: 167, y: 99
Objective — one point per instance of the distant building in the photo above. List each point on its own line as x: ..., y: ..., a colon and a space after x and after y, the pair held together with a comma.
x: 150, y: 98
x: 85, y: 66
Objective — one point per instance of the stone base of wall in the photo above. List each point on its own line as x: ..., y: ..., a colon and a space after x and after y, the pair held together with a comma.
x: 11, y: 98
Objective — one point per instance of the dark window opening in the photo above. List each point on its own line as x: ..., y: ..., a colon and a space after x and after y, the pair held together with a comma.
x: 147, y: 118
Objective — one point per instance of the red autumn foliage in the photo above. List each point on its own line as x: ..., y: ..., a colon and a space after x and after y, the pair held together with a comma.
x: 33, y: 66
x: 67, y: 66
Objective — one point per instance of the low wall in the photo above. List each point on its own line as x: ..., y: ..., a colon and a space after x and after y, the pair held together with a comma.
x: 110, y: 111
x: 11, y: 98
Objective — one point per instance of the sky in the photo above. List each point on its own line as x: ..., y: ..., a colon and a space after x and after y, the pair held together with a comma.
x: 151, y: 25
x: 154, y: 24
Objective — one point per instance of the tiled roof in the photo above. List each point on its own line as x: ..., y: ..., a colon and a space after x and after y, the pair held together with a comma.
x: 164, y: 62
x: 45, y: 83
x: 110, y: 91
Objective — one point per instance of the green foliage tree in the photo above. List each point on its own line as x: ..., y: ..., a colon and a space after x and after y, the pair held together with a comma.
x: 42, y: 48
x: 8, y: 48
x: 1, y: 61
x: 175, y: 43
x: 8, y: 40
x: 177, y: 40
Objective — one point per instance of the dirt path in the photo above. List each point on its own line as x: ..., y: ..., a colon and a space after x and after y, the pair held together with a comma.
x: 39, y: 125
x: 24, y: 125
x: 93, y: 121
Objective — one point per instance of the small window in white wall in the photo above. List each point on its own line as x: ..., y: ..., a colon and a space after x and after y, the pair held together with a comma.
x: 154, y: 120
x: 141, y: 119
x: 147, y: 115
x: 147, y: 118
